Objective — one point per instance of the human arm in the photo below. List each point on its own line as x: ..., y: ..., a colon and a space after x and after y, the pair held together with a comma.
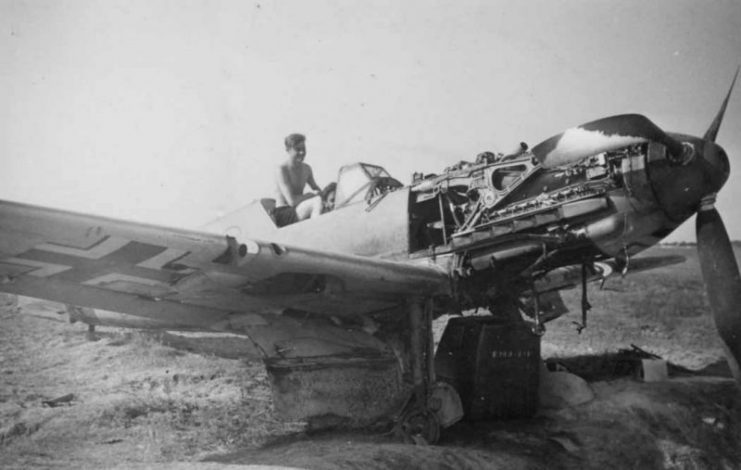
x: 310, y: 180
x: 284, y: 185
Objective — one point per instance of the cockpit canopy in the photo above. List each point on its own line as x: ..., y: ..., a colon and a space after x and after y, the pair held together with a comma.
x: 360, y: 181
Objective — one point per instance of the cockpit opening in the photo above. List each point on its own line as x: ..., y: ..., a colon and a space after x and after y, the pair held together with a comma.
x: 361, y: 182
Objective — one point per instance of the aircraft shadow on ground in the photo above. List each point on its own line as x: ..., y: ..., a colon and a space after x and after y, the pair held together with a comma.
x: 627, y: 363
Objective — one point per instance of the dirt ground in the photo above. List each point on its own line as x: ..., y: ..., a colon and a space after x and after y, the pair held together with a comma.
x: 139, y: 400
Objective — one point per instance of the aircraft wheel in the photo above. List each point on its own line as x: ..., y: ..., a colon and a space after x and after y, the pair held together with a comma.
x: 419, y: 426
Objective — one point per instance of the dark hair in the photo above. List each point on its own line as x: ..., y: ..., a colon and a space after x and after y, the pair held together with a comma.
x: 294, y: 139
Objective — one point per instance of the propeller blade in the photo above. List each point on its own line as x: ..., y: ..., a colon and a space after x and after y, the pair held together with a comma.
x: 602, y: 135
x: 712, y: 131
x: 722, y: 283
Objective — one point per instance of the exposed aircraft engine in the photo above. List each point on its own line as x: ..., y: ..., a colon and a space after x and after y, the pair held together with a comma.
x: 471, y: 201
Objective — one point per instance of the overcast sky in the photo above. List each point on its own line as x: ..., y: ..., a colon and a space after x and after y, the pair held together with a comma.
x: 173, y: 112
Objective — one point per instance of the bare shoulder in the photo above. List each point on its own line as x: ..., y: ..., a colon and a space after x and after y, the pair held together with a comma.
x: 282, y: 169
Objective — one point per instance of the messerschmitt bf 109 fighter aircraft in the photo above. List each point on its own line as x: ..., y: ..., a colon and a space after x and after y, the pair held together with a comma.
x: 341, y: 306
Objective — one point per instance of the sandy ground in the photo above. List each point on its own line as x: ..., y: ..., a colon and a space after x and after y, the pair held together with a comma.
x: 138, y: 400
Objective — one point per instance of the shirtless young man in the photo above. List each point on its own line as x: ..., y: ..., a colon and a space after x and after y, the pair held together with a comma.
x: 291, y: 176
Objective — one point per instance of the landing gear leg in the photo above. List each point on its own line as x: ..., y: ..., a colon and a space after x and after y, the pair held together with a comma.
x: 418, y: 422
x: 91, y: 336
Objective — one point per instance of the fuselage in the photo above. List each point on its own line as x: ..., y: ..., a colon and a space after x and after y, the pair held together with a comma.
x: 495, y: 223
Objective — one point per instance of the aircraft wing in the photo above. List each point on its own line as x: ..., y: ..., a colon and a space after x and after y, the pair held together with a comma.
x: 190, y: 279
